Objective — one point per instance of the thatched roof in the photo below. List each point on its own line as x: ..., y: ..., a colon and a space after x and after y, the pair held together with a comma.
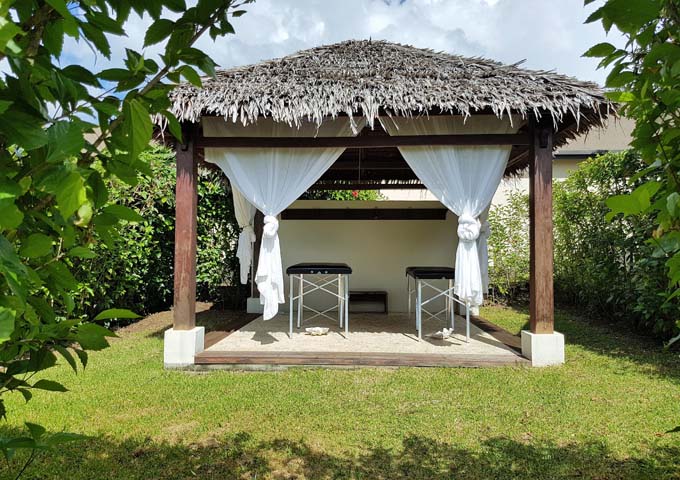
x: 374, y: 78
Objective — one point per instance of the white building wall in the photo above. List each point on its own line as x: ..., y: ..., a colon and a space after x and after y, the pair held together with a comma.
x: 378, y: 251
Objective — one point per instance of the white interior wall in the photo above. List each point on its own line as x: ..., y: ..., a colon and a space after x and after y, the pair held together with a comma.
x: 377, y: 251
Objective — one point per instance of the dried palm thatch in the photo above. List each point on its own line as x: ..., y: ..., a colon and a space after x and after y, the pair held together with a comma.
x: 373, y: 78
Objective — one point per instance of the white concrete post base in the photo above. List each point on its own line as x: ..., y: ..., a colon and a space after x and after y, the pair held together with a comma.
x: 253, y: 305
x: 180, y: 346
x: 543, y: 349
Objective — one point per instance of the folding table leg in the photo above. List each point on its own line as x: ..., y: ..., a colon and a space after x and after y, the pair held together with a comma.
x: 419, y: 313
x: 345, y: 287
x: 301, y: 294
x: 290, y: 303
x: 467, y: 322
x: 340, y: 298
x: 452, y: 305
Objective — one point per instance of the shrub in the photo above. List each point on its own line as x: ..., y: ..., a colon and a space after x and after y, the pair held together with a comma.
x: 509, y: 247
x: 608, y: 268
x: 135, y: 268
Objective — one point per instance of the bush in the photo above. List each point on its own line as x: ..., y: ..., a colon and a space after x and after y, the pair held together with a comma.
x: 134, y: 268
x: 608, y: 267
x: 509, y: 247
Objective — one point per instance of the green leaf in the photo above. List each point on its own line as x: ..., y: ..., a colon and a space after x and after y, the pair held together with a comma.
x: 91, y: 336
x: 97, y: 37
x: 36, y: 245
x: 36, y: 431
x: 49, y: 385
x: 8, y: 30
x: 11, y: 216
x: 116, y: 313
x: 158, y: 31
x: 70, y: 25
x: 124, y: 213
x: 191, y: 76
x: 80, y: 74
x: 67, y: 356
x: 81, y: 252
x: 53, y: 38
x: 115, y: 74
x: 71, y: 194
x: 7, y: 318
x: 138, y: 127
x: 13, y: 270
x: 672, y: 203
x: 65, y: 139
x: 600, y: 50
x: 22, y: 129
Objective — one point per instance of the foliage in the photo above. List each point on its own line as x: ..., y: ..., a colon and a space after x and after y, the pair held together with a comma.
x: 63, y: 131
x: 341, y: 195
x: 645, y: 79
x: 607, y: 267
x: 509, y: 246
x: 136, y: 269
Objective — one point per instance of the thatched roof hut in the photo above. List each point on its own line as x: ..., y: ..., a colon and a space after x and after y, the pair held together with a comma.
x: 373, y: 78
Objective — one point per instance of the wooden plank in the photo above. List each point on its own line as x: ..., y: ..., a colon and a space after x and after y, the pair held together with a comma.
x: 500, y: 334
x: 362, y: 141
x: 364, y: 214
x: 541, y: 300
x: 356, y: 359
x: 185, y: 235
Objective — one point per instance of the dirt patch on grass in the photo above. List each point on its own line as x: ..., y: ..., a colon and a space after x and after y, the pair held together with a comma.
x: 211, y: 319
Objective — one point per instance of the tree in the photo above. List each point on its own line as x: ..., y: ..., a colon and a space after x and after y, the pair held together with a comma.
x: 645, y: 80
x: 63, y: 131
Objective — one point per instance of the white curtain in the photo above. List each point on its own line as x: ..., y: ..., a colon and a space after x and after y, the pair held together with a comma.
x: 463, y: 178
x: 245, y: 217
x: 271, y: 179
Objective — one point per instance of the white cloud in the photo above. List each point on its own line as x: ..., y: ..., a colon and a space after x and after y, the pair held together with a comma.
x: 549, y: 34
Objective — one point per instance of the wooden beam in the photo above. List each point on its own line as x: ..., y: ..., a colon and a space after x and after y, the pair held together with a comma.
x: 541, y: 301
x: 185, y: 234
x: 258, y: 226
x: 364, y: 214
x: 362, y: 141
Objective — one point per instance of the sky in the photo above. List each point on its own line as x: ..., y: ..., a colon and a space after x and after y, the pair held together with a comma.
x: 548, y: 34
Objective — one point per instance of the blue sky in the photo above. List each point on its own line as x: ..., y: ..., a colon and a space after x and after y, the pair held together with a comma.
x: 549, y: 34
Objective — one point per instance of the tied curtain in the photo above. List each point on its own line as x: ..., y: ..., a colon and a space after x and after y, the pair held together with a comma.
x: 464, y: 179
x: 244, y: 211
x: 271, y: 179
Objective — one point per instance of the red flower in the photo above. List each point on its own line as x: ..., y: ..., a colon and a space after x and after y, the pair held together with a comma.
x: 355, y: 193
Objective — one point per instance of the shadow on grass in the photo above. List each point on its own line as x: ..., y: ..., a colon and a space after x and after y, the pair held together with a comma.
x: 612, y: 340
x: 239, y: 456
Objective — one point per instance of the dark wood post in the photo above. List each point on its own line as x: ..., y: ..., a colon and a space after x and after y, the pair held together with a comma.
x: 185, y: 232
x: 541, y: 229
x: 257, y: 227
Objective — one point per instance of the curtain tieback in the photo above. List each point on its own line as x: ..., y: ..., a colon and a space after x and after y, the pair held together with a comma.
x: 468, y: 228
x: 271, y: 226
x: 248, y: 232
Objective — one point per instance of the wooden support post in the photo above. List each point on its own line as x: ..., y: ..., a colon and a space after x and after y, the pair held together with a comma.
x: 185, y: 233
x: 541, y: 229
x: 257, y: 227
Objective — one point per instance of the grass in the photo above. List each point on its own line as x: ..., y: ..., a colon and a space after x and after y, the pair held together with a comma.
x: 603, y: 415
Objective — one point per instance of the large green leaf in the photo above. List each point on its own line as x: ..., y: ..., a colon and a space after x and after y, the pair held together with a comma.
x: 49, y: 385
x: 36, y: 245
x: 7, y: 317
x: 116, y: 313
x: 91, y: 336
x: 12, y: 269
x: 138, y: 127
x: 158, y: 31
x: 22, y: 128
x: 65, y: 139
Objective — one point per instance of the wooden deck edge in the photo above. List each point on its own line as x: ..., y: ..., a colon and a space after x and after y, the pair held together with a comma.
x: 357, y: 359
x: 502, y: 335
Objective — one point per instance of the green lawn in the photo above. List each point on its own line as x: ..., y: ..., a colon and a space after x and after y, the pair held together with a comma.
x: 602, y: 415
